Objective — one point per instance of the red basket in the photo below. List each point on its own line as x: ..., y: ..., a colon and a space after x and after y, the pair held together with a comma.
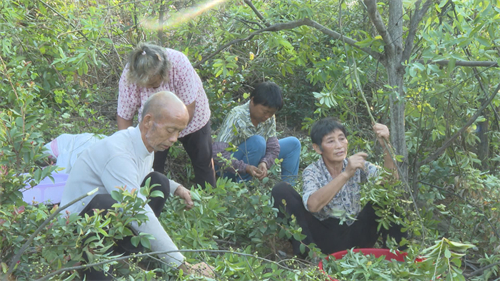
x: 399, y: 256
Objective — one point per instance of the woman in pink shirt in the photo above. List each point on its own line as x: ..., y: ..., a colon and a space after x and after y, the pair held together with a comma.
x: 152, y: 69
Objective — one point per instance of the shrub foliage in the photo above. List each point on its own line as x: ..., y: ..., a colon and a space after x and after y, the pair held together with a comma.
x: 60, y: 62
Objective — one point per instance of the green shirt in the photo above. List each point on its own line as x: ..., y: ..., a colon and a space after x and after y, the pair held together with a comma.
x: 238, y: 126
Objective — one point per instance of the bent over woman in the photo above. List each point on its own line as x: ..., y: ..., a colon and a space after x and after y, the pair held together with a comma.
x: 152, y: 69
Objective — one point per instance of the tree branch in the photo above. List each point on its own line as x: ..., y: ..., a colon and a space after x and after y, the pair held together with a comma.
x: 335, y: 35
x: 377, y: 21
x: 461, y: 63
x: 447, y: 143
x: 415, y: 20
x: 249, y: 22
x: 259, y: 15
x: 481, y: 270
x: 292, y: 25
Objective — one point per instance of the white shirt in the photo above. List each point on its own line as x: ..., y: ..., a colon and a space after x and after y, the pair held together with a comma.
x: 119, y: 160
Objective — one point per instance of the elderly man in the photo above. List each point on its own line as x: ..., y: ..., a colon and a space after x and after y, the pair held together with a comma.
x: 125, y: 159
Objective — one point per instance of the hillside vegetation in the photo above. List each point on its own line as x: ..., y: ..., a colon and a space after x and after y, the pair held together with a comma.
x: 428, y: 69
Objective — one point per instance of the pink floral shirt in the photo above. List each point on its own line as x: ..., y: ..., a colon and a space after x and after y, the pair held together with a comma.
x: 183, y: 81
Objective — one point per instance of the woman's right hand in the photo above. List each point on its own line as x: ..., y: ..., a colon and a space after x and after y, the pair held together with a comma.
x: 356, y: 161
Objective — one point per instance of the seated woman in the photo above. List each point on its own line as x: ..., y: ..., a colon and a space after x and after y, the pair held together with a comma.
x: 252, y: 128
x: 329, y: 212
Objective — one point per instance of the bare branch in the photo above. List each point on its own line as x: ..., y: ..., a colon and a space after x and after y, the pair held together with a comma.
x: 462, y: 63
x: 259, y: 15
x: 292, y: 25
x: 448, y: 142
x: 415, y: 20
x: 376, y: 19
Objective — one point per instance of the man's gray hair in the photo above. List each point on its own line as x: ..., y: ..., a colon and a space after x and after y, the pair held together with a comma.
x: 146, y: 61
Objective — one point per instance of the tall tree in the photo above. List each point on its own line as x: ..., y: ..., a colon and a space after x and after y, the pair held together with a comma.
x: 398, y: 31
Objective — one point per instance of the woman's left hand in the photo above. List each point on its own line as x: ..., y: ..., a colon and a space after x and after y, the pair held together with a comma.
x: 382, y: 132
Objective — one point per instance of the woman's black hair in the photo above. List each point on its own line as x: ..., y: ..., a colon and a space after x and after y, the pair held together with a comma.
x: 324, y: 127
x: 267, y: 94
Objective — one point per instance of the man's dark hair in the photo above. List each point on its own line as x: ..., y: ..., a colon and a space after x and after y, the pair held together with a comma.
x: 324, y: 127
x: 267, y: 94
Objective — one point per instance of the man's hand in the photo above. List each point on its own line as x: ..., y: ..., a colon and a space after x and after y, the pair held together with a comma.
x: 357, y: 161
x: 382, y: 133
x: 201, y: 268
x: 185, y: 194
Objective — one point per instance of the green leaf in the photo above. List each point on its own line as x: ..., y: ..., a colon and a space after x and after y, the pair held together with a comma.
x: 365, y: 43
x: 144, y: 190
x: 42, y: 8
x: 447, y: 253
x: 302, y: 248
x: 157, y: 193
x: 483, y: 41
x: 135, y: 240
x: 457, y: 262
x: 107, y: 40
x: 145, y: 242
x: 451, y: 65
x: 128, y: 232
x: 195, y: 195
x: 118, y: 196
